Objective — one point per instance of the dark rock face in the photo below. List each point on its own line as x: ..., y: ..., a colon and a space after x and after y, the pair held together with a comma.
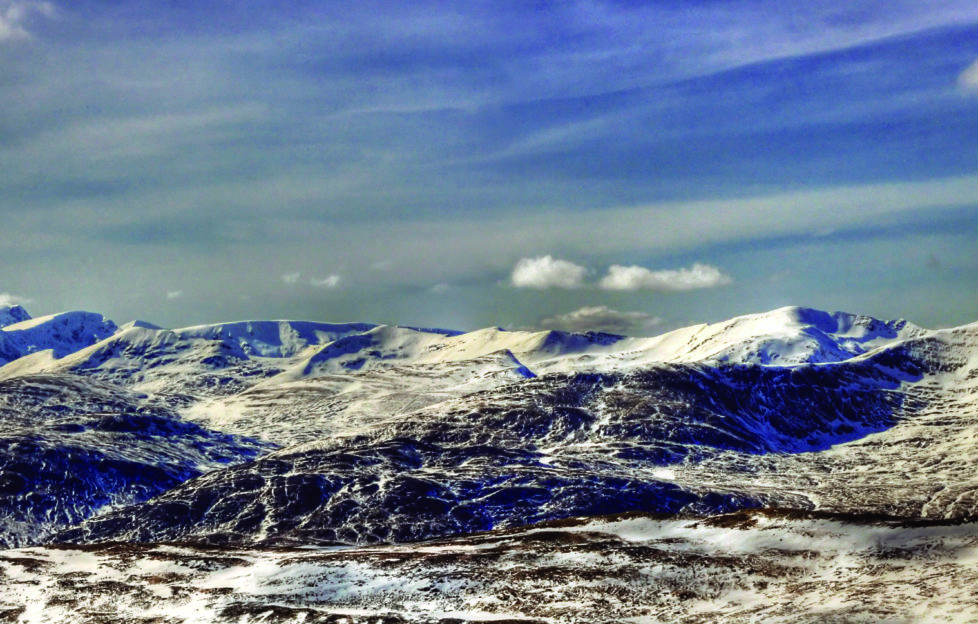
x: 397, y: 491
x: 672, y: 411
x: 69, y: 447
x: 552, y: 447
x: 12, y: 314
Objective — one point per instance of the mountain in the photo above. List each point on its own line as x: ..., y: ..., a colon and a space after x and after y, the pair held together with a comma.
x: 71, y: 447
x: 11, y: 314
x: 390, y: 433
x: 820, y: 445
x: 550, y: 447
x: 786, y: 336
x: 60, y: 334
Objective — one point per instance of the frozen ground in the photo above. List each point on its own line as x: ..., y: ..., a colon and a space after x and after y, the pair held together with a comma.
x: 751, y: 566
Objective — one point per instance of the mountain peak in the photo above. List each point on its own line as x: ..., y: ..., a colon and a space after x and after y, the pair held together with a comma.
x: 12, y: 314
x: 63, y: 333
x: 796, y: 335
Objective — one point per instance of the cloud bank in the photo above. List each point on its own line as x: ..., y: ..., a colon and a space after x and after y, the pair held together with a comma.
x: 546, y: 272
x: 639, y: 278
x: 603, y: 319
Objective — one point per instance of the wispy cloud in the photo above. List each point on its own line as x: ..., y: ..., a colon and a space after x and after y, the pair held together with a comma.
x: 602, y: 318
x: 291, y: 278
x: 968, y: 79
x: 14, y: 15
x: 174, y: 294
x: 186, y: 143
x: 328, y: 282
x: 8, y: 299
x: 640, y: 278
x: 547, y: 272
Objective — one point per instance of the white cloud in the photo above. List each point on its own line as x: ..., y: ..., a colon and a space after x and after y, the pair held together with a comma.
x: 968, y: 79
x: 13, y: 15
x: 291, y: 278
x: 7, y: 299
x: 174, y: 294
x: 547, y: 272
x: 330, y: 281
x: 601, y: 318
x: 638, y: 278
x: 441, y: 288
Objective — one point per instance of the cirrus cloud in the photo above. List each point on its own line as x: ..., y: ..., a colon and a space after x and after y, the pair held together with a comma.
x: 13, y: 15
x: 8, y: 299
x: 330, y: 281
x: 603, y: 319
x: 547, y: 272
x: 640, y: 278
x: 968, y: 79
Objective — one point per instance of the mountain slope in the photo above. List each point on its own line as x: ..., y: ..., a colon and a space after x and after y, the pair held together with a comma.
x: 555, y: 446
x: 11, y: 314
x: 397, y: 433
x: 70, y: 447
x: 61, y: 333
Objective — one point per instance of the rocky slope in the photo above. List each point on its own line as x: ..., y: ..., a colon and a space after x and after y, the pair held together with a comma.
x: 770, y: 566
x: 72, y: 447
x: 396, y: 434
x: 552, y: 447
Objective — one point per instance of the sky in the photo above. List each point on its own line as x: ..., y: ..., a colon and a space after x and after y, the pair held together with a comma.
x: 618, y: 166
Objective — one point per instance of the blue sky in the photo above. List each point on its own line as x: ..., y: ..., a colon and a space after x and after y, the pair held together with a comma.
x: 473, y: 164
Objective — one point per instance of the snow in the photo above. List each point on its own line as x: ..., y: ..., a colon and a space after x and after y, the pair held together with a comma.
x: 274, y: 338
x: 784, y: 337
x: 318, y: 385
x: 11, y: 314
x: 62, y: 333
x: 777, y: 570
x: 303, y: 349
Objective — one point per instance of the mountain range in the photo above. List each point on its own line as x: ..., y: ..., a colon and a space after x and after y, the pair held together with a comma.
x: 297, y: 434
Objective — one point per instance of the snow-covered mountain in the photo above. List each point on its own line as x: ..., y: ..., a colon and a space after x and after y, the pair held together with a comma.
x: 399, y: 433
x: 786, y: 336
x: 12, y: 314
x: 71, y: 447
x: 550, y: 447
x: 58, y: 334
x: 294, y: 434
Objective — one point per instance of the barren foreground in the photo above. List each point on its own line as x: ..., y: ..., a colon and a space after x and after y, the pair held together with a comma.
x: 769, y: 565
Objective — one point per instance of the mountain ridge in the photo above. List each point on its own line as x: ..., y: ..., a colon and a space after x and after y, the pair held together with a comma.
x: 785, y: 336
x: 404, y: 433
